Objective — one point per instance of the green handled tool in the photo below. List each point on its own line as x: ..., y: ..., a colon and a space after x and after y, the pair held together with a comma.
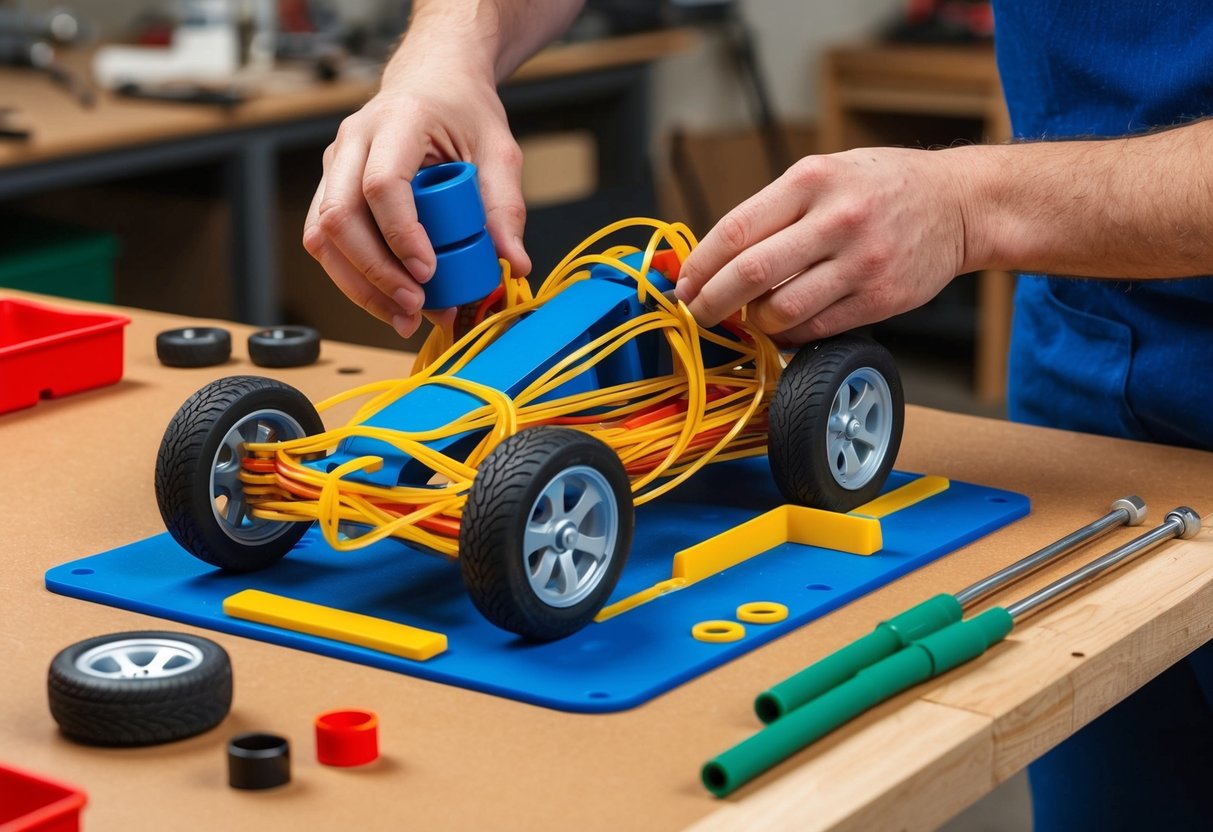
x: 922, y: 659
x: 928, y: 617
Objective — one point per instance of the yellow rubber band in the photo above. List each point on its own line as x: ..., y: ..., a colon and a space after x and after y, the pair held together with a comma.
x: 715, y: 408
x: 718, y: 632
x: 762, y: 612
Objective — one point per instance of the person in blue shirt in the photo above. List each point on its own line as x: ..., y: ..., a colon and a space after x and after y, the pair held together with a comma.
x: 1109, y: 182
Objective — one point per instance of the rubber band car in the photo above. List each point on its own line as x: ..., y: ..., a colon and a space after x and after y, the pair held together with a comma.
x: 528, y: 432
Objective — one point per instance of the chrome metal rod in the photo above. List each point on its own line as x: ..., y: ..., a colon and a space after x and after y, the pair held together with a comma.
x: 1127, y: 511
x: 1182, y: 522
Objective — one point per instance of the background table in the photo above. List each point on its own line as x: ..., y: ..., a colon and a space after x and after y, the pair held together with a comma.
x: 77, y: 479
x: 600, y: 86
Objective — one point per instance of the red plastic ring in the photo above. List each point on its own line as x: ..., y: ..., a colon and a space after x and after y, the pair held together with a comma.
x: 347, y: 738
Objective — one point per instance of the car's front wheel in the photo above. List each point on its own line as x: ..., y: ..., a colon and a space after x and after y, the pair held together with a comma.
x: 835, y: 423
x: 546, y: 532
x: 198, y: 485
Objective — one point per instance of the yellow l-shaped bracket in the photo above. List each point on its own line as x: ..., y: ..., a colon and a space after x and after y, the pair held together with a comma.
x: 857, y: 533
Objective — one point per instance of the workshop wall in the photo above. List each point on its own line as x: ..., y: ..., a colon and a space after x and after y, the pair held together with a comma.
x: 700, y: 90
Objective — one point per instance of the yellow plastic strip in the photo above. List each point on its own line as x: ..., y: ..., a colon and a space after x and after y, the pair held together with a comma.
x: 718, y: 632
x: 762, y: 612
x: 339, y: 625
x: 625, y: 604
x: 904, y: 497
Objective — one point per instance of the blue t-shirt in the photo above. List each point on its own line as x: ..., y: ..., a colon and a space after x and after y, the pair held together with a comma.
x: 1123, y: 358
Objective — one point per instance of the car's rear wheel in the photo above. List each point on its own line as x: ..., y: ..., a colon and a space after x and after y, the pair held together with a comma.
x: 546, y: 532
x: 835, y: 423
x: 198, y: 484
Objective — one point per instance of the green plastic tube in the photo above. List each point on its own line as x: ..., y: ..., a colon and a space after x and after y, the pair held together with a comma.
x: 921, y: 660
x: 889, y: 636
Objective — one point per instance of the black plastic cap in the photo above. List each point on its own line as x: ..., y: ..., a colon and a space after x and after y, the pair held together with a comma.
x: 258, y: 761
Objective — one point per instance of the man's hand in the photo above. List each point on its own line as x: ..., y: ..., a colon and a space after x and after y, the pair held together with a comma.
x: 362, y: 225
x: 836, y: 242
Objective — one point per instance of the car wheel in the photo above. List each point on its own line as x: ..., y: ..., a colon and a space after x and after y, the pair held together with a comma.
x: 198, y: 483
x: 140, y: 688
x: 835, y: 423
x: 546, y: 532
x: 284, y: 346
x: 196, y: 346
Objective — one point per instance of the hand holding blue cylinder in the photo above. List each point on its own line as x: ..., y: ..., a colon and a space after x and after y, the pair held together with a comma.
x: 451, y: 211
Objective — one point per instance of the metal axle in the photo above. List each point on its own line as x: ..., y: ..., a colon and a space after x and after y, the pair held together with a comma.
x: 1127, y: 511
x: 1181, y: 522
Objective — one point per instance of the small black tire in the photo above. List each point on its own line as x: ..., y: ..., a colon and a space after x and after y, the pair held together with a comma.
x: 197, y: 346
x: 167, y: 687
x: 199, y: 461
x: 816, y: 462
x: 512, y: 506
x: 284, y: 346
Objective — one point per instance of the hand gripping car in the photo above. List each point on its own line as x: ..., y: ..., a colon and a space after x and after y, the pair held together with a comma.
x: 521, y: 445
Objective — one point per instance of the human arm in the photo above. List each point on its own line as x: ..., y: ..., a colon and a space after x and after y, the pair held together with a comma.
x: 873, y: 232
x: 437, y: 102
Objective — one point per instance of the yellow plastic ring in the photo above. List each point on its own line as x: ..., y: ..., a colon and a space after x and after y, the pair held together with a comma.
x: 762, y: 612
x: 718, y: 632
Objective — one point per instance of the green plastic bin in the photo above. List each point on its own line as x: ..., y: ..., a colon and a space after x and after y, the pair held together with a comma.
x: 56, y: 258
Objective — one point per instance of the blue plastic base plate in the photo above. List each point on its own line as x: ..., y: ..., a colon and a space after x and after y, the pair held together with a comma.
x: 609, y: 666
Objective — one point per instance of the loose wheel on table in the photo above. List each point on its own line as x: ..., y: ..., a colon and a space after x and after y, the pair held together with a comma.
x: 139, y: 688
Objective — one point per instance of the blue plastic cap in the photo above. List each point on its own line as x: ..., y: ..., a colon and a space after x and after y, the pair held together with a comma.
x: 451, y: 211
x: 448, y: 203
x: 465, y: 274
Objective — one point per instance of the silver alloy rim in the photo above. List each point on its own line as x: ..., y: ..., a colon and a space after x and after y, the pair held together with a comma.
x: 860, y: 426
x: 233, y: 517
x: 139, y: 658
x: 570, y: 536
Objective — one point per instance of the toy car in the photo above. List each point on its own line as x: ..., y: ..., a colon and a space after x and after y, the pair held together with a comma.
x: 521, y: 446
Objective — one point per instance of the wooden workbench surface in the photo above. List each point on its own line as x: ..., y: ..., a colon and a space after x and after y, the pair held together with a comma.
x: 78, y: 480
x: 61, y: 127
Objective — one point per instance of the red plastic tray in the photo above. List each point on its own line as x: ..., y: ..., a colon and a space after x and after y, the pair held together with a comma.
x: 46, y: 351
x: 31, y: 803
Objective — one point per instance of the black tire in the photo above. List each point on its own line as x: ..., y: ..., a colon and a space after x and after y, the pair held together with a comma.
x: 96, y: 701
x: 803, y: 445
x: 194, y: 448
x: 198, y: 346
x: 505, y: 500
x: 284, y: 346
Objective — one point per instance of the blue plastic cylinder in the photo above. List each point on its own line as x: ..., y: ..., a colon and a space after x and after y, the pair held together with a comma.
x: 451, y: 211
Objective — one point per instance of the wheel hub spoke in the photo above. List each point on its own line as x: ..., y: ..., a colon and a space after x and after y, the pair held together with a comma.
x: 227, y: 481
x: 237, y: 507
x: 126, y: 667
x: 864, y: 404
x: 859, y: 428
x: 554, y: 495
x: 567, y: 547
x: 160, y: 661
x: 537, y: 536
x: 542, y: 575
x: 593, y: 545
x: 589, y: 500
x: 569, y: 579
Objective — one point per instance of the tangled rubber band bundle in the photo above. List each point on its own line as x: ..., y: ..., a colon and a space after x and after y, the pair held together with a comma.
x: 664, y: 429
